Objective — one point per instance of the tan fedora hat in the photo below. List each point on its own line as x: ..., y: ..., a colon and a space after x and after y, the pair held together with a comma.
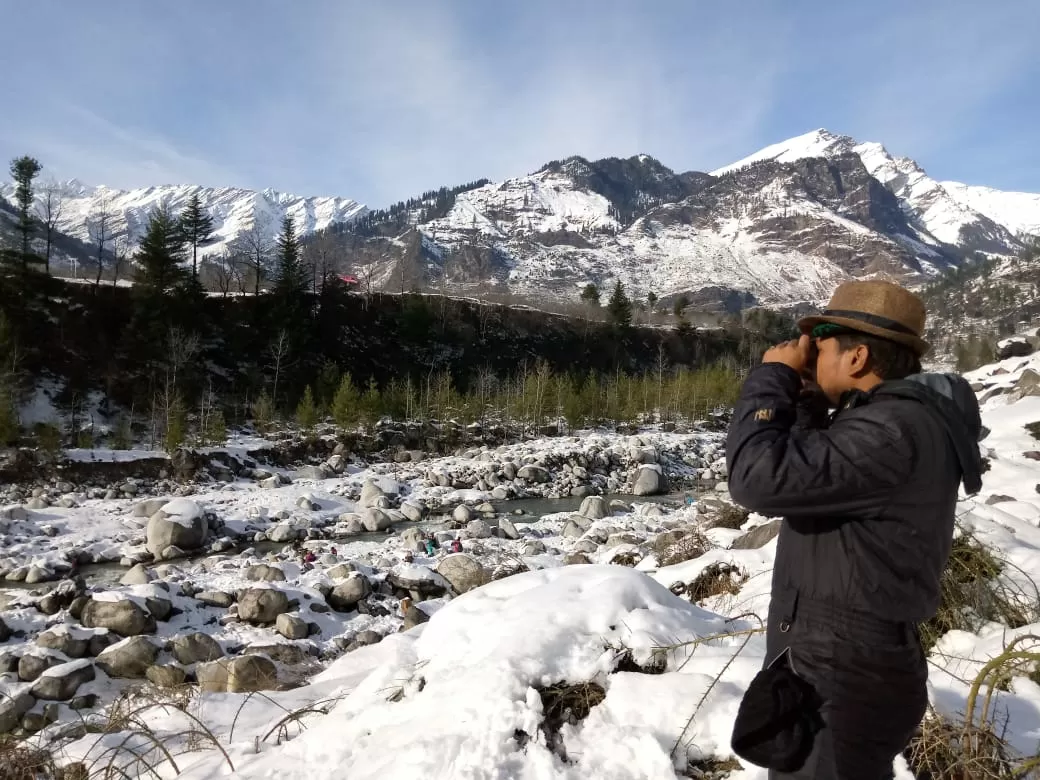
x: 878, y: 308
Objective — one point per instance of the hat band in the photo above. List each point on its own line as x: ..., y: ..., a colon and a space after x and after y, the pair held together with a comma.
x: 871, y: 319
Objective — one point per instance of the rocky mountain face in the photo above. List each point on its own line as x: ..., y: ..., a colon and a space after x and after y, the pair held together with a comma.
x: 781, y: 227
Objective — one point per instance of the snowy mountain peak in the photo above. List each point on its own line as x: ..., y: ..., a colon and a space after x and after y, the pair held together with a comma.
x: 234, y: 211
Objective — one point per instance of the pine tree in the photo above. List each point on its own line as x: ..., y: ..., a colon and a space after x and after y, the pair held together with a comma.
x: 290, y: 283
x: 196, y: 227
x: 590, y: 294
x: 306, y: 411
x: 651, y: 300
x: 160, y: 254
x: 346, y: 406
x: 620, y: 307
x: 23, y: 171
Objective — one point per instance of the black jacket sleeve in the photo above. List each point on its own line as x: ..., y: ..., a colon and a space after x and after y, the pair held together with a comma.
x: 779, y: 468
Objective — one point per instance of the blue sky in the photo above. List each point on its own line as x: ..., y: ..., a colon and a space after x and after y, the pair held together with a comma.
x: 380, y: 100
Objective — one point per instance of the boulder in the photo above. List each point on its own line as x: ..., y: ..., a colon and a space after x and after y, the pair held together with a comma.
x: 594, y: 508
x: 37, y: 574
x: 180, y: 524
x: 345, y: 596
x: 196, y: 648
x: 264, y: 573
x: 291, y: 627
x: 370, y: 494
x: 160, y: 608
x: 534, y: 547
x: 32, y: 665
x: 125, y: 617
x: 340, y: 571
x: 215, y: 598
x: 268, y: 483
x: 572, y: 530
x: 477, y: 529
x: 138, y: 575
x: 412, y: 538
x: 262, y: 605
x: 312, y: 472
x: 283, y: 532
x: 507, y: 529
x: 1014, y: 347
x: 575, y: 558
x: 128, y: 659
x: 60, y: 683
x: 418, y: 579
x: 5, y: 631
x: 238, y: 675
x: 532, y: 473
x: 365, y: 638
x: 581, y: 491
x: 99, y: 641
x: 166, y: 676
x: 12, y: 708
x: 624, y: 537
x: 757, y: 537
x: 463, y: 572
x: 149, y: 506
x: 463, y: 514
x: 414, y: 510
x: 61, y: 638
x: 413, y: 616
x: 375, y: 520
x: 649, y: 481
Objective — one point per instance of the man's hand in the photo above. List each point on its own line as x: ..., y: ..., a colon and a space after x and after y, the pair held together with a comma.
x: 791, y: 353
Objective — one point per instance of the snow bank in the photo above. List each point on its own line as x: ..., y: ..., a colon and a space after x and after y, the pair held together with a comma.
x: 463, y: 698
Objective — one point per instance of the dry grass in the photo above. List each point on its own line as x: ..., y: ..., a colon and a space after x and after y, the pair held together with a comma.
x: 712, y: 768
x: 21, y: 761
x: 692, y: 544
x: 731, y: 516
x: 974, y: 591
x: 976, y: 749
x: 565, y: 703
x: 718, y: 579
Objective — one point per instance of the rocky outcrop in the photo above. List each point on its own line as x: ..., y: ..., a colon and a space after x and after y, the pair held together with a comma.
x: 195, y: 648
x: 238, y: 675
x: 60, y: 683
x: 262, y: 605
x: 128, y: 659
x: 180, y: 525
x: 124, y: 617
x: 463, y: 572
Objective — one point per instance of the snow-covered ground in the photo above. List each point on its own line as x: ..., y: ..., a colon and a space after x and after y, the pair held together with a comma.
x: 460, y: 683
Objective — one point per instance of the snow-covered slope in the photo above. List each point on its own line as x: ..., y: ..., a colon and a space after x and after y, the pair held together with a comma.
x: 1019, y: 212
x: 973, y: 218
x: 234, y: 211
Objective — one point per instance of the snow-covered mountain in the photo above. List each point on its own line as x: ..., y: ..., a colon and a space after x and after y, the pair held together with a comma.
x: 781, y: 226
x: 235, y: 211
x: 972, y: 218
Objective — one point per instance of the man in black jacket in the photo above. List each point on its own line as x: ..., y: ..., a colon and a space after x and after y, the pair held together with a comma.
x: 867, y: 496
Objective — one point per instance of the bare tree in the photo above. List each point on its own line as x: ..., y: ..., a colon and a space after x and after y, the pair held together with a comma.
x: 49, y: 208
x: 120, y: 253
x: 279, y: 350
x: 99, y: 226
x: 226, y: 269
x: 319, y: 257
x: 181, y: 348
x: 255, y: 244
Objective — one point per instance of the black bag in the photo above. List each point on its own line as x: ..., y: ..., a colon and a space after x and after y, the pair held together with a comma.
x: 778, y: 718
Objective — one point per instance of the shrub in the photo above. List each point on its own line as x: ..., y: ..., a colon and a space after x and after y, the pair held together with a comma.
x: 975, y: 591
